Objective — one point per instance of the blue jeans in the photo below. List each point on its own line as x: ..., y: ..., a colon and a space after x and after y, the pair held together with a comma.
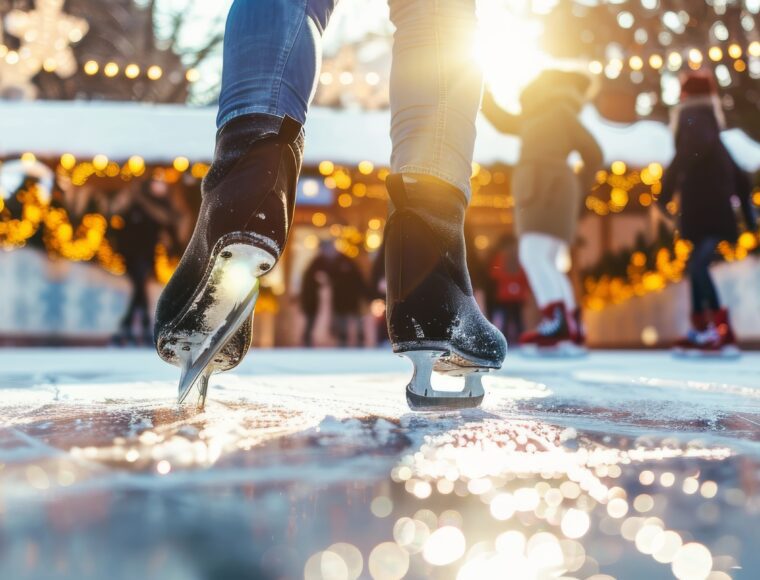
x: 272, y: 52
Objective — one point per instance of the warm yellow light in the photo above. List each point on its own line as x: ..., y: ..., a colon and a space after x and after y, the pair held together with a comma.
x: 199, y: 170
x: 375, y: 223
x: 735, y: 51
x: 655, y: 170
x: 618, y: 168
x: 28, y: 158
x: 482, y: 242
x: 181, y: 164
x: 193, y: 75
x: 619, y: 197
x: 132, y: 71
x: 326, y: 167
x: 91, y: 67
x: 595, y: 67
x: 136, y: 164
x: 655, y: 61
x: 715, y: 53
x: 155, y: 72
x: 675, y: 60
x: 111, y: 69
x: 373, y: 241
x: 100, y: 162
x: 748, y: 241
x: 754, y: 48
x: 345, y: 200
x: 366, y: 167
x: 359, y: 189
x: 636, y: 63
x: 68, y: 161
x: 740, y: 66
x: 49, y: 65
x: 319, y: 219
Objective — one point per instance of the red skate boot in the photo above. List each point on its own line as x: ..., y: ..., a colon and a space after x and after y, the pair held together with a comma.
x: 578, y: 330
x: 553, y: 335
x: 710, y: 337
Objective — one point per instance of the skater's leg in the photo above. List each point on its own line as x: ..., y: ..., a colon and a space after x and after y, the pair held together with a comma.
x: 272, y: 53
x: 568, y: 294
x: 704, y: 295
x: 271, y: 58
x: 538, y: 254
x: 435, y: 89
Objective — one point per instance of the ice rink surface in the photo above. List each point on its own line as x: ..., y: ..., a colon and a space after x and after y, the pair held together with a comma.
x: 308, y: 464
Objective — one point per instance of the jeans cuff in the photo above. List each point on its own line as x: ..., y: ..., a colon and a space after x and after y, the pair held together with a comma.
x: 456, y: 181
x: 260, y: 110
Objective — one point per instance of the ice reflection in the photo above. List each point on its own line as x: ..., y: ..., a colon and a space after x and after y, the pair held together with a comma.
x: 531, y: 495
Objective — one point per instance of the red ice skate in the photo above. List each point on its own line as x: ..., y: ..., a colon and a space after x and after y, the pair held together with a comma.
x: 711, y: 336
x: 555, y: 335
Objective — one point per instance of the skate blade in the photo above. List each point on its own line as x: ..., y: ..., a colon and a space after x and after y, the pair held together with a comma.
x: 561, y: 350
x: 200, y: 366
x: 235, y: 274
x: 422, y: 397
x: 726, y: 353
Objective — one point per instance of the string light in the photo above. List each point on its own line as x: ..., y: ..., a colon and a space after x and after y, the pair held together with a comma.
x: 155, y: 72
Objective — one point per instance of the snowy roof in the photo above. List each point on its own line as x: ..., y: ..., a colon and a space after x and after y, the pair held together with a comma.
x: 163, y: 132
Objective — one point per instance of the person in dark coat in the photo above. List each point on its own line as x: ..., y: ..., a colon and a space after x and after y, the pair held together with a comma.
x: 147, y: 213
x: 709, y: 181
x: 348, y: 292
x: 316, y: 276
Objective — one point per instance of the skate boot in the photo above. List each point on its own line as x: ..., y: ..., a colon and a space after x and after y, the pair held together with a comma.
x: 205, y: 313
x: 553, y: 336
x: 711, y: 336
x: 578, y: 329
x: 432, y: 315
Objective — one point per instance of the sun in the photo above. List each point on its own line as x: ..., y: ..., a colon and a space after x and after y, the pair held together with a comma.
x: 507, y: 48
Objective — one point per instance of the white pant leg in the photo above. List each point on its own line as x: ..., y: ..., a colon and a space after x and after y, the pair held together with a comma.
x: 538, y: 257
x: 563, y: 257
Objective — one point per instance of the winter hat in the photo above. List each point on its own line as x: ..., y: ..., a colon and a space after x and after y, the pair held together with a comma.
x: 698, y: 85
x: 698, y: 89
x: 555, y: 83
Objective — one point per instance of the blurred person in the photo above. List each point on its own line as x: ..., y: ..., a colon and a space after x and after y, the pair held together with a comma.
x: 147, y: 212
x: 314, y: 279
x: 271, y: 62
x: 708, y: 179
x: 377, y: 291
x: 548, y: 198
x: 349, y: 290
x: 508, y: 288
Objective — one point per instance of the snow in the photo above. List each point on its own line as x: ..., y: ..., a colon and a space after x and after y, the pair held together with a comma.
x: 595, y: 463
x: 118, y: 130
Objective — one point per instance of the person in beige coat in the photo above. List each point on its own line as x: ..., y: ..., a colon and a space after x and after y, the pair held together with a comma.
x: 549, y: 196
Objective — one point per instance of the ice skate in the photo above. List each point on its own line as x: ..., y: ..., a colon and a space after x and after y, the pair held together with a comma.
x: 432, y: 316
x: 710, y: 337
x: 205, y: 314
x: 553, y: 337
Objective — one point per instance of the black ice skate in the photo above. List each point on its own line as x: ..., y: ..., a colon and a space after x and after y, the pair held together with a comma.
x: 205, y: 313
x: 432, y: 315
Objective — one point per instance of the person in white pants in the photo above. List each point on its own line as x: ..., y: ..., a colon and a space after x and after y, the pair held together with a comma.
x: 549, y: 195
